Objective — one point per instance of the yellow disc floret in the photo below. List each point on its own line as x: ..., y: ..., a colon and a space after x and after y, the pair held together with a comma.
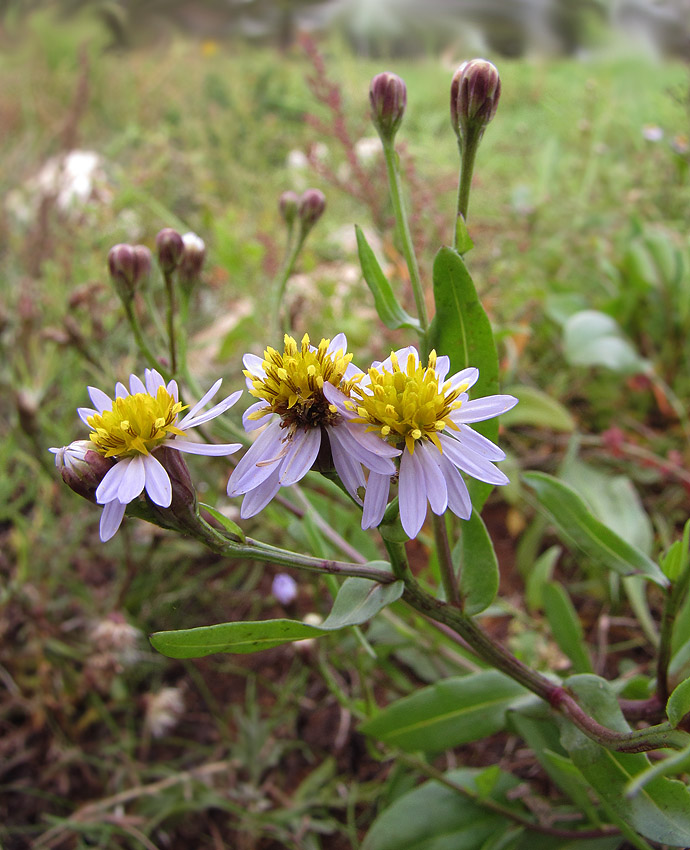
x: 293, y: 383
x: 137, y: 424
x: 407, y: 403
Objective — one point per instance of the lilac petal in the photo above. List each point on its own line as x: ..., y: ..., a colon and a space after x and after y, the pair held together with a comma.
x: 84, y: 413
x: 347, y: 467
x: 121, y: 390
x: 173, y: 389
x: 375, y: 499
x: 132, y: 482
x: 300, y: 457
x: 253, y: 424
x: 108, y: 488
x: 412, y: 494
x: 373, y: 444
x: 436, y: 489
x: 442, y: 367
x: 136, y: 385
x: 210, y: 449
x: 214, y: 412
x: 100, y: 400
x: 459, y: 500
x: 484, y: 408
x: 158, y: 484
x: 255, y: 365
x: 338, y: 343
x: 472, y: 463
x: 468, y: 377
x: 477, y: 443
x: 111, y: 518
x: 259, y: 462
x: 153, y: 380
x: 205, y: 398
x: 257, y: 499
x: 352, y: 440
x: 338, y: 399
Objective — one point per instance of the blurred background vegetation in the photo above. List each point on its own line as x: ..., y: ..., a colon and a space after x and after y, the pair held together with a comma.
x: 120, y: 118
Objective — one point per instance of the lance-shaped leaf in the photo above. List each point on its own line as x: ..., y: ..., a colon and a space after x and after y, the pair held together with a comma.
x: 390, y: 312
x: 358, y: 600
x: 449, y: 713
x: 582, y: 529
x: 566, y: 627
x: 660, y: 811
x: 478, y: 566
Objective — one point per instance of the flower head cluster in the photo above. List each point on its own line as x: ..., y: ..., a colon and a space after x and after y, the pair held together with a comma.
x: 414, y: 408
x: 130, y: 428
x: 302, y: 422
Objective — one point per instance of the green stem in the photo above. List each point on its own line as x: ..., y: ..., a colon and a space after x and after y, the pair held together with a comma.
x: 292, y: 253
x: 405, y: 237
x: 468, y: 155
x: 170, y: 320
x: 142, y: 345
x: 445, y: 561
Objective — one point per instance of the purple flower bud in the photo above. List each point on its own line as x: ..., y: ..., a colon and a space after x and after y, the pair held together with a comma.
x: 81, y: 467
x: 388, y: 98
x: 142, y: 263
x: 474, y: 94
x: 289, y: 206
x: 284, y: 588
x: 311, y: 207
x: 122, y: 265
x: 193, y: 257
x: 170, y: 248
x: 182, y: 511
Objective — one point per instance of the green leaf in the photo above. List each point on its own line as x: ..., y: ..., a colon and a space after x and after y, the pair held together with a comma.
x: 390, y: 312
x: 539, y: 574
x: 674, y: 764
x: 538, y: 409
x: 478, y: 566
x: 227, y: 524
x: 462, y: 236
x: 435, y: 817
x: 678, y: 705
x: 592, y: 338
x: 566, y: 627
x: 577, y: 525
x: 358, y: 600
x: 448, y: 713
x: 462, y: 330
x: 661, y: 810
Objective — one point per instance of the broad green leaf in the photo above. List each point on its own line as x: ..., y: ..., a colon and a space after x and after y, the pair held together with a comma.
x: 448, y: 713
x: 390, y: 312
x: 566, y: 627
x: 580, y: 528
x: 478, y: 566
x: 673, y: 765
x: 538, y: 409
x: 661, y: 810
x: 592, y: 338
x: 435, y: 817
x: 357, y: 601
x: 462, y: 330
x: 540, y: 573
x: 532, y: 841
x: 227, y: 523
x: 678, y: 705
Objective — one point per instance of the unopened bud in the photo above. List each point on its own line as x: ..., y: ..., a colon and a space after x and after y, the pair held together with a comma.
x: 289, y: 206
x: 170, y: 247
x: 122, y: 264
x: 81, y: 467
x: 183, y: 507
x: 388, y: 98
x: 474, y: 94
x: 142, y: 263
x: 193, y: 257
x: 311, y: 207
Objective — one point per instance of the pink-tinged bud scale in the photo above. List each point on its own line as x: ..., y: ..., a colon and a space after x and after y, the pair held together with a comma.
x: 388, y: 98
x: 474, y: 94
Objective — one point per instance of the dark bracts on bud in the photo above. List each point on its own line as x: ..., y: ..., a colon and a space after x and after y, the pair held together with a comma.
x: 310, y: 209
x: 183, y: 513
x: 388, y: 98
x: 129, y: 266
x: 82, y: 469
x: 169, y: 248
x: 474, y: 94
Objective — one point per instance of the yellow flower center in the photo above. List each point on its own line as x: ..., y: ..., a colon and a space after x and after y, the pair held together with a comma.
x: 407, y: 404
x: 137, y: 424
x: 294, y: 381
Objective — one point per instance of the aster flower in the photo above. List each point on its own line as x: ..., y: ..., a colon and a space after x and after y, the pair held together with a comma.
x: 415, y: 408
x: 129, y: 429
x: 301, y: 422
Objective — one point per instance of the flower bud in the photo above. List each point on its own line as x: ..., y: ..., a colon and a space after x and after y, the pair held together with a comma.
x: 289, y: 206
x: 170, y: 247
x: 388, y: 98
x: 193, y: 257
x: 122, y: 265
x: 183, y: 512
x: 474, y: 94
x: 311, y: 207
x: 142, y: 263
x: 81, y: 467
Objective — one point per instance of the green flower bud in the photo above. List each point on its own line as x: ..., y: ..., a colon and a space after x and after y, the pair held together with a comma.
x: 474, y: 94
x: 388, y: 98
x: 170, y: 247
x: 289, y: 207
